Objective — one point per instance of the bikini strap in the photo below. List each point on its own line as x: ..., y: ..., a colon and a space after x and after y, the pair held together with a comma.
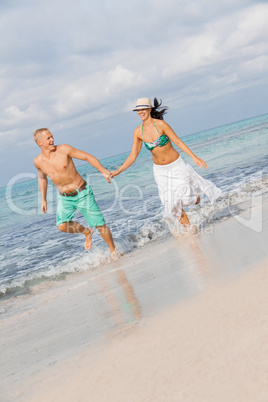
x: 156, y: 127
x: 142, y: 130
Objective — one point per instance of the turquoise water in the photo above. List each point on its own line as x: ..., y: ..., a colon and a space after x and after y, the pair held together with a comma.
x: 33, y: 249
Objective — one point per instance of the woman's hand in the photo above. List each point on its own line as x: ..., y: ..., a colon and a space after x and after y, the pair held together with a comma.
x: 199, y: 162
x: 114, y: 173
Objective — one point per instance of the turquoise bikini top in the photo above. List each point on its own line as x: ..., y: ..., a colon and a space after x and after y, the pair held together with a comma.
x: 159, y: 142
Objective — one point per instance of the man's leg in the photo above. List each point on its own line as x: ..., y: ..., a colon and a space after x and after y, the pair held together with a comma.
x: 91, y: 211
x: 107, y: 236
x: 75, y: 227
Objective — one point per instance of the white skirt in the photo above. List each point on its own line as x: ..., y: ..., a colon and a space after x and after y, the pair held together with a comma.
x: 179, y: 186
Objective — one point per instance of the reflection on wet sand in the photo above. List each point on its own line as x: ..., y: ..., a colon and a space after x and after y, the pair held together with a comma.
x: 194, y: 259
x: 131, y: 305
x: 124, y: 306
x: 201, y: 263
x: 172, y: 273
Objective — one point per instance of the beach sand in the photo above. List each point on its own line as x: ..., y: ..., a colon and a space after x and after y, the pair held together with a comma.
x: 178, y: 320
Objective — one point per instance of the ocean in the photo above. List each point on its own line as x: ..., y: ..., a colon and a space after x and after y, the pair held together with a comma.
x: 33, y: 250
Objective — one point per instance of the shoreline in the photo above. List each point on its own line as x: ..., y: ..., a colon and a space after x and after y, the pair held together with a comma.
x: 204, y: 215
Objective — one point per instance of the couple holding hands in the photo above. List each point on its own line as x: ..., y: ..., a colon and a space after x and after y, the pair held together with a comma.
x: 178, y: 183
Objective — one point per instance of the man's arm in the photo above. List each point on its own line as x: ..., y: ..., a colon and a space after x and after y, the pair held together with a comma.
x: 42, y: 182
x: 85, y: 156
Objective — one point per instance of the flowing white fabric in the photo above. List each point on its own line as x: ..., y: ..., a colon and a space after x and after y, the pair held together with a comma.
x: 179, y: 186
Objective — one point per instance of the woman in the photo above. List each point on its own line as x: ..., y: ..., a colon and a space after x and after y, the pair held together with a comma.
x: 178, y: 184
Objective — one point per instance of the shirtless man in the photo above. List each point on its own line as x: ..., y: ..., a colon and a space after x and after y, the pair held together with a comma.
x: 55, y: 161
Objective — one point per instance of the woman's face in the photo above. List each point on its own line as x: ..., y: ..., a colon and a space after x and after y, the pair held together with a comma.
x: 144, y: 113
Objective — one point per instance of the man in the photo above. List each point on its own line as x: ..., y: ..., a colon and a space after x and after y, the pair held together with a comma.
x: 55, y: 161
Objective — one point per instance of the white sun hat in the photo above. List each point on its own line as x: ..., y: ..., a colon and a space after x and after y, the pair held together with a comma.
x: 143, y: 103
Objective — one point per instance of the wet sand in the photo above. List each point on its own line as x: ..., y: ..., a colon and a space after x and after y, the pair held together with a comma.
x: 179, y: 320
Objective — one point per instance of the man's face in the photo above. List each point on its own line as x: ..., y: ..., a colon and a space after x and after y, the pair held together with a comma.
x: 46, y: 141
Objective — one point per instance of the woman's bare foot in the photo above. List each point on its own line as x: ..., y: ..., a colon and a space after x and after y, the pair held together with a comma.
x: 184, y: 219
x: 191, y: 230
x: 88, y: 236
x: 197, y: 201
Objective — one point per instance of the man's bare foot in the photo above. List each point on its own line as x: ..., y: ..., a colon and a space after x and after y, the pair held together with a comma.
x: 115, y: 254
x: 197, y: 201
x: 88, y: 236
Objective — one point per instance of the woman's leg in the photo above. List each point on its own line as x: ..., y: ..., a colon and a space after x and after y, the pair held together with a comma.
x: 184, y: 219
x: 190, y: 229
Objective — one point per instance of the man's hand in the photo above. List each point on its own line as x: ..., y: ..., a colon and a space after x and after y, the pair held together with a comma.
x: 107, y: 175
x: 199, y: 162
x: 44, y: 207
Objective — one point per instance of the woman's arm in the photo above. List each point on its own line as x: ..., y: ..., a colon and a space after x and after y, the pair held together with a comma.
x: 177, y: 141
x: 136, y: 147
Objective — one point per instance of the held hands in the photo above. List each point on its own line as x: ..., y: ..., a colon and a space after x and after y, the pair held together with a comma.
x: 110, y: 175
x: 114, y: 173
x: 107, y: 175
x: 199, y: 162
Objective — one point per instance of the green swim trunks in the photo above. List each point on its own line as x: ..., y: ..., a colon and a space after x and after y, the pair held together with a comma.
x: 85, y: 203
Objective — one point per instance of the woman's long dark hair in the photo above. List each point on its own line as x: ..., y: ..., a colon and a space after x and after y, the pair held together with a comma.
x: 158, y: 114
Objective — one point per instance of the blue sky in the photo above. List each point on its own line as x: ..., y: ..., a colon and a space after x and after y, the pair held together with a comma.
x: 78, y: 68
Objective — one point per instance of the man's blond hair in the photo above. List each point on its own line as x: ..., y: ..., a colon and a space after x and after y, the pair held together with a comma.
x: 38, y: 133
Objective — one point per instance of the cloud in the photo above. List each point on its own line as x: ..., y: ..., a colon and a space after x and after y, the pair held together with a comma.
x: 91, y: 92
x: 121, y: 79
x: 13, y: 115
x: 219, y: 41
x: 193, y: 53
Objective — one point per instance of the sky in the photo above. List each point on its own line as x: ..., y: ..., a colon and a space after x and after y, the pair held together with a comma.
x: 77, y: 67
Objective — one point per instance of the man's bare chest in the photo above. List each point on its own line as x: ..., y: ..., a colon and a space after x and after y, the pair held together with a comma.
x: 59, y: 164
